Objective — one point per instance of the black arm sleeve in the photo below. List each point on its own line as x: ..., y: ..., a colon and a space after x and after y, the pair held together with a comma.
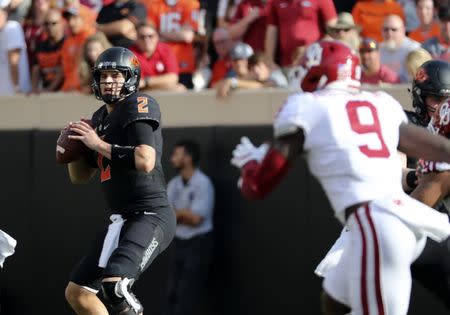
x: 140, y: 132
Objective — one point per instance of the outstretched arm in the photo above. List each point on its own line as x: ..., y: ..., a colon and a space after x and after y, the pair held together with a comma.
x: 419, y: 143
x: 264, y: 167
x: 432, y: 188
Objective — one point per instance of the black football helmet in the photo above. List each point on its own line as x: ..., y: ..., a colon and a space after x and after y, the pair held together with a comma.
x: 123, y: 60
x: 432, y: 78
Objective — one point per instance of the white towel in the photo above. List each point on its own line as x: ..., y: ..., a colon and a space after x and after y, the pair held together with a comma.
x: 7, y: 245
x: 111, y: 239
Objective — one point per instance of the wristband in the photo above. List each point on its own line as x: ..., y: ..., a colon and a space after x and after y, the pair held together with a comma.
x: 123, y: 156
x: 411, y: 179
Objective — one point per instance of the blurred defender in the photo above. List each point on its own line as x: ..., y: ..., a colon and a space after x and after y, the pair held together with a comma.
x: 430, y: 91
x: 126, y: 148
x: 350, y: 140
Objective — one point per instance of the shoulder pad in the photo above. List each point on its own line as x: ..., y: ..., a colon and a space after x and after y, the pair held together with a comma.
x: 140, y: 106
x: 293, y: 114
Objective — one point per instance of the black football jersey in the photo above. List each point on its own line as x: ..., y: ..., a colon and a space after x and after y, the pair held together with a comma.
x: 129, y: 190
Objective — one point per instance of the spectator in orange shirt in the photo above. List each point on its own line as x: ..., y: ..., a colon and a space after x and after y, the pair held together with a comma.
x: 177, y: 23
x: 370, y: 16
x: 72, y: 48
x: 159, y: 67
x: 223, y: 45
x: 89, y: 15
x: 92, y: 48
x: 428, y: 27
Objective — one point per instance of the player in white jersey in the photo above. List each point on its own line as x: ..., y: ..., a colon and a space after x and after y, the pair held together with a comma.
x: 350, y: 139
x: 430, y: 92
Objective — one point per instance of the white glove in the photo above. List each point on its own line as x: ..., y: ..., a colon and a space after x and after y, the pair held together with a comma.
x: 246, y: 152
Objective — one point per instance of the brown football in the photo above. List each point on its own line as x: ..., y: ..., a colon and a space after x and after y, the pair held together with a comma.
x: 69, y: 150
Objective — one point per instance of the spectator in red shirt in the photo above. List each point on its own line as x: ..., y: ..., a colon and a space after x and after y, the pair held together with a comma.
x: 373, y: 72
x: 159, y: 66
x: 223, y: 45
x: 250, y: 22
x: 294, y: 23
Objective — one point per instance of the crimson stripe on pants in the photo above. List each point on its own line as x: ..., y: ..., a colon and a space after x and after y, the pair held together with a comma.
x: 363, y: 267
x: 377, y: 262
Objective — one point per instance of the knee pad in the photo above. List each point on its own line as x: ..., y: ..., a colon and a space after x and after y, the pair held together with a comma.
x: 119, y: 297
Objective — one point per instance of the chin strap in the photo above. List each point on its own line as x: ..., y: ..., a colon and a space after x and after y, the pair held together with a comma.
x: 258, y: 179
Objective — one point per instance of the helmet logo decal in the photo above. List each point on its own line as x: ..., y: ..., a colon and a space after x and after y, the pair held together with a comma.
x: 421, y: 75
x: 134, y: 61
x: 313, y: 55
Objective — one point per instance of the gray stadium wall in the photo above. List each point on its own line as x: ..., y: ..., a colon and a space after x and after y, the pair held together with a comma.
x: 265, y: 253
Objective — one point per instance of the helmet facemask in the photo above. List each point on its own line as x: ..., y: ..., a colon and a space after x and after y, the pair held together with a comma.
x: 117, y: 59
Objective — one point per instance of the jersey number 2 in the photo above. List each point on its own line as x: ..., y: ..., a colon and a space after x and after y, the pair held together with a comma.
x: 360, y: 128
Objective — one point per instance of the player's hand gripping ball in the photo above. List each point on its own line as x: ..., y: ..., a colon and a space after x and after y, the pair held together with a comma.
x: 69, y: 150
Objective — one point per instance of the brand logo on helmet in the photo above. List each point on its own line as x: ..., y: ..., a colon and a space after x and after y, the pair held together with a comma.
x: 134, y: 61
x: 421, y: 75
x: 107, y: 64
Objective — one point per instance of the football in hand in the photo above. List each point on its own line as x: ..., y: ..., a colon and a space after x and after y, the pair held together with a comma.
x: 69, y: 150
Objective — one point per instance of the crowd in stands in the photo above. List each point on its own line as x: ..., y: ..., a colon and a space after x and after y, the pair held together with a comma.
x: 51, y: 45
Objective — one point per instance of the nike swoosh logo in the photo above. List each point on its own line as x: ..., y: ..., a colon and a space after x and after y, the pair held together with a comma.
x: 121, y: 155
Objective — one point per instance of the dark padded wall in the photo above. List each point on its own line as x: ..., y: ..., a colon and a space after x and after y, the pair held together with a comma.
x: 266, y: 250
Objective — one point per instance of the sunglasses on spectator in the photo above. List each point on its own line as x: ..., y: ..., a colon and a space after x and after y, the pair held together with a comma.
x: 392, y: 29
x: 143, y: 36
x: 338, y: 30
x: 50, y: 23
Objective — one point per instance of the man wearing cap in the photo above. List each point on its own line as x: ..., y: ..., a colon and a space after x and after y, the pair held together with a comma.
x: 373, y: 72
x: 72, y: 48
x: 238, y: 76
x: 13, y: 55
x: 438, y: 46
x: 345, y: 30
